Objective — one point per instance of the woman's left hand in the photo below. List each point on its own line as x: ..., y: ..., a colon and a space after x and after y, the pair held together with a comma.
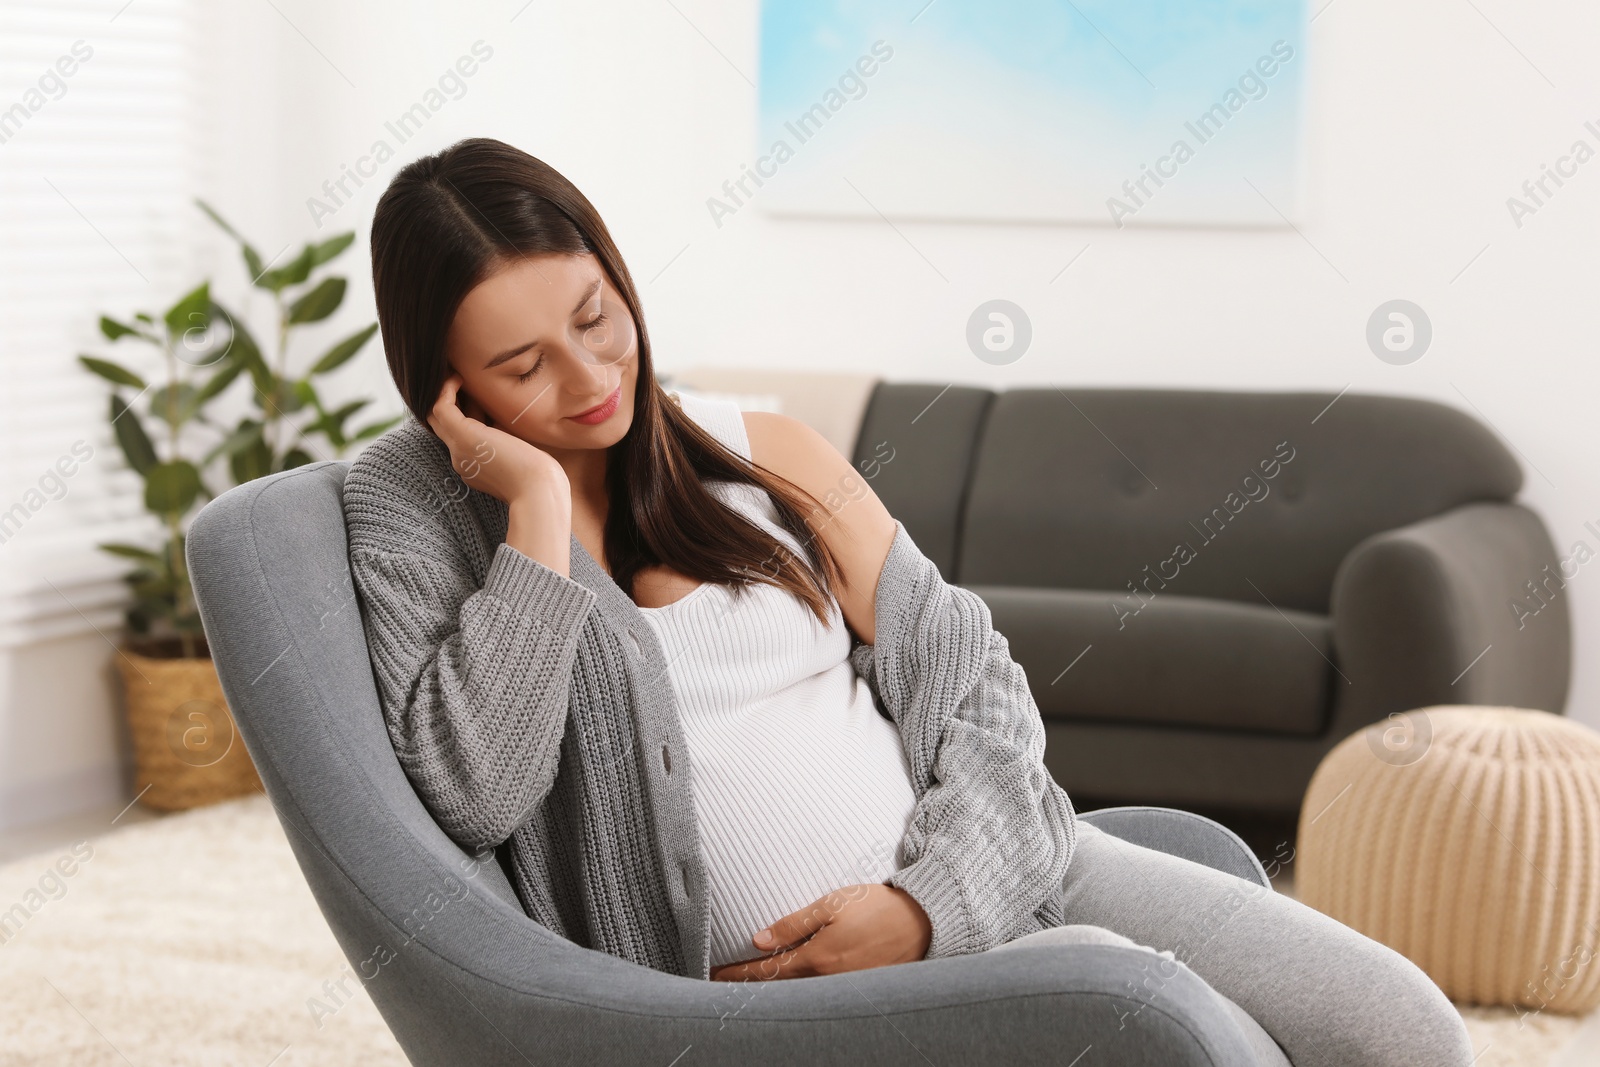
x: 850, y: 929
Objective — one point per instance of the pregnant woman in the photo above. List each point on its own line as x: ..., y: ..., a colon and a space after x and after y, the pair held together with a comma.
x: 723, y: 715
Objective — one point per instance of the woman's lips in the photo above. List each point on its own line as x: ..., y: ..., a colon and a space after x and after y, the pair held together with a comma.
x: 603, y: 412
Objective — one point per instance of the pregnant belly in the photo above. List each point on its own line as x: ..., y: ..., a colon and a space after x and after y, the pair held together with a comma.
x: 795, y: 802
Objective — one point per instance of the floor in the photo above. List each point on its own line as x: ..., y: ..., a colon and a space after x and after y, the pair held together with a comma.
x: 193, y: 939
x: 50, y: 836
x: 181, y: 939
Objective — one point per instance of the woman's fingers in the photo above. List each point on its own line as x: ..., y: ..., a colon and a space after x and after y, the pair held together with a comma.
x: 444, y: 407
x: 454, y: 413
x: 794, y: 962
x: 797, y: 925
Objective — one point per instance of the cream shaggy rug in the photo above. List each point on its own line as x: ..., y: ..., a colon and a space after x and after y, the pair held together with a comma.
x: 192, y: 939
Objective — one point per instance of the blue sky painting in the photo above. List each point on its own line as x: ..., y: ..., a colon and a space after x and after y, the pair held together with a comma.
x: 1125, y: 112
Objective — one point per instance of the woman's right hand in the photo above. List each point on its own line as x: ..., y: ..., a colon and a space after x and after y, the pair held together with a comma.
x: 488, y: 459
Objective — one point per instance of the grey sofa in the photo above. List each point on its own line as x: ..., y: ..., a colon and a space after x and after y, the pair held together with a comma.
x: 463, y: 976
x: 1376, y: 571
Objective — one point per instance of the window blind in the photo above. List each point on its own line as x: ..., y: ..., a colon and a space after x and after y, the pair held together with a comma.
x: 101, y: 115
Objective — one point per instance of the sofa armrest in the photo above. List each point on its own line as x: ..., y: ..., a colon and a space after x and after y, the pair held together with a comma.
x: 1443, y: 612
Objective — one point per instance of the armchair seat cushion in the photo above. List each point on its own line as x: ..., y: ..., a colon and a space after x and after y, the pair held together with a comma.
x: 1180, y: 661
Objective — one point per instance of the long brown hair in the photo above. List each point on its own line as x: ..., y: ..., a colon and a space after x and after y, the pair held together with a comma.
x: 450, y: 220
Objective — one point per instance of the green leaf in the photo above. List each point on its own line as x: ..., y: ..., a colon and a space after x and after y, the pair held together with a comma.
x: 170, y: 488
x: 209, y: 340
x: 242, y: 348
x: 154, y: 603
x: 340, y: 353
x: 375, y: 429
x: 306, y: 394
x: 339, y: 415
x: 138, y: 621
x: 144, y: 555
x: 295, y: 457
x: 246, y: 434
x: 111, y: 372
x: 146, y: 319
x: 325, y: 251
x: 319, y: 303
x: 220, y: 221
x: 285, y: 399
x: 136, y: 446
x: 251, y: 462
x: 332, y: 423
x: 220, y: 380
x: 191, y: 313
x: 175, y: 403
x: 147, y: 582
x: 252, y: 258
x: 292, y: 273
x: 114, y: 329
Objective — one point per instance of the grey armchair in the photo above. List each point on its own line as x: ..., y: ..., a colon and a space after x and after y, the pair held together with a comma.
x: 463, y: 976
x: 1376, y: 571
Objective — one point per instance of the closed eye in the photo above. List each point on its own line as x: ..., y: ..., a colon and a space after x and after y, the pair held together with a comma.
x: 597, y: 321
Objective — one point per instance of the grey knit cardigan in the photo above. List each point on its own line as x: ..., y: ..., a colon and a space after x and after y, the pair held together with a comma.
x: 534, y: 708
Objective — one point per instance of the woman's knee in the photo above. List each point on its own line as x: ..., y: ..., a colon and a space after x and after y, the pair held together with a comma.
x: 1440, y: 1034
x: 1400, y: 1019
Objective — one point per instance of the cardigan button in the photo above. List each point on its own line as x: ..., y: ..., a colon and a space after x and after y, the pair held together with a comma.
x: 666, y: 759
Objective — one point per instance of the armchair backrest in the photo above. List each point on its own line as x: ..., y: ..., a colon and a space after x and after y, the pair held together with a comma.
x: 270, y: 567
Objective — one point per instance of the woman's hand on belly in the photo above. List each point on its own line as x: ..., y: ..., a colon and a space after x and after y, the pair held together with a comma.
x: 850, y: 929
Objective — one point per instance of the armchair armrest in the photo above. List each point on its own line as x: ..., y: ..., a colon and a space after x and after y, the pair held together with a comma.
x: 1444, y: 611
x: 1183, y: 834
x: 519, y: 994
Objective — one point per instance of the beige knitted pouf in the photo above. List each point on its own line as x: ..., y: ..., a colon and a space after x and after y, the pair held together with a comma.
x: 1468, y: 840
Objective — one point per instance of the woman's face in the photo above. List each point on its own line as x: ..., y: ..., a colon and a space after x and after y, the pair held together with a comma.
x: 544, y: 339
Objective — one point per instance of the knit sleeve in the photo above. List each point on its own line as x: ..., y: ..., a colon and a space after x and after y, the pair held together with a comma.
x: 473, y: 681
x: 473, y: 663
x: 991, y: 835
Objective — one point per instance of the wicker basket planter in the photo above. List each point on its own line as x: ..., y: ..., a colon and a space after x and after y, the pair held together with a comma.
x: 186, y: 747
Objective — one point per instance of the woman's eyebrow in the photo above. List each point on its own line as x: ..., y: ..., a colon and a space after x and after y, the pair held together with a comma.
x: 513, y: 353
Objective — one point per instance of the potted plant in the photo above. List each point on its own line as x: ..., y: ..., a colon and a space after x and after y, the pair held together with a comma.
x: 186, y: 750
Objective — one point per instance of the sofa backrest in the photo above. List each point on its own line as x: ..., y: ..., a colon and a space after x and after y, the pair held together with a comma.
x: 915, y: 449
x: 1244, y: 496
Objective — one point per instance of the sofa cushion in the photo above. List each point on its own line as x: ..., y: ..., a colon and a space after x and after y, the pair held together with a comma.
x: 1177, y: 661
x: 1086, y: 488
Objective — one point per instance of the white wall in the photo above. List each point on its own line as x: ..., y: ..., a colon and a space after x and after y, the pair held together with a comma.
x: 1422, y: 118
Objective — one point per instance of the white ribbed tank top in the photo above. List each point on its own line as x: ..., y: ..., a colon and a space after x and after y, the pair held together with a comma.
x: 801, y: 785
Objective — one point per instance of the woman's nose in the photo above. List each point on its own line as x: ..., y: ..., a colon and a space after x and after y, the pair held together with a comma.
x: 585, y: 378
